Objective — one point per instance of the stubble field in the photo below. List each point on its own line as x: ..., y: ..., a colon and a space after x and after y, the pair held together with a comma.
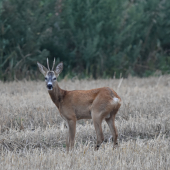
x: 33, y: 135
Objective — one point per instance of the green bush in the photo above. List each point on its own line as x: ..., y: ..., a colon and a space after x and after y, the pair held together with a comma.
x: 25, y: 25
x: 95, y: 38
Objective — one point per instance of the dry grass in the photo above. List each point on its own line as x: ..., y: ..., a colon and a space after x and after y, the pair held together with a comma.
x: 32, y: 133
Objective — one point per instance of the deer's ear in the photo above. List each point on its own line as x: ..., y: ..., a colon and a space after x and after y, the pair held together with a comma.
x: 42, y: 69
x: 59, y: 68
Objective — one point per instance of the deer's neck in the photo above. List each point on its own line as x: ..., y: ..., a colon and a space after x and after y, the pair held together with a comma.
x: 57, y: 95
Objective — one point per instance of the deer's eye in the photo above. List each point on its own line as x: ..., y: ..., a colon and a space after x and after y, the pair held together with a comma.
x: 54, y: 78
x: 45, y: 78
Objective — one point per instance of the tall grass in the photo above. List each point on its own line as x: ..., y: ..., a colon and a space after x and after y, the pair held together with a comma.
x: 33, y: 135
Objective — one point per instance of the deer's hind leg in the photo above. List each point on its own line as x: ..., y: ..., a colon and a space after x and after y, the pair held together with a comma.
x: 97, y: 121
x: 97, y: 117
x: 104, y: 106
x: 111, y: 123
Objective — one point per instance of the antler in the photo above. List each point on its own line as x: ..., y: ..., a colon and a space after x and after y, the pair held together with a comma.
x: 48, y: 64
x: 53, y: 64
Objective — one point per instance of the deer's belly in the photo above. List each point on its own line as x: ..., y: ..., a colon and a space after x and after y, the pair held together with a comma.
x: 83, y: 114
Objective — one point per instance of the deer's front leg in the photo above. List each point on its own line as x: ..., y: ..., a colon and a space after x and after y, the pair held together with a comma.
x: 72, y: 132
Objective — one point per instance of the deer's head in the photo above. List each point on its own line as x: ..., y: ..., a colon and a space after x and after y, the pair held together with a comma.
x: 50, y: 75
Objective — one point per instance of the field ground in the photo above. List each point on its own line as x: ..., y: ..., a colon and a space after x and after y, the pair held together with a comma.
x: 33, y: 135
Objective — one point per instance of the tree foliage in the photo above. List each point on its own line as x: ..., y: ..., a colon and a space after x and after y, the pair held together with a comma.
x: 92, y: 37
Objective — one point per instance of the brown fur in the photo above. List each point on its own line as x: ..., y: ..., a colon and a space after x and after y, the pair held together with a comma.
x: 96, y: 104
x: 87, y: 104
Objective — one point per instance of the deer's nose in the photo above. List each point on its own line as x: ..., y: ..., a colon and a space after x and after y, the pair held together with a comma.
x: 49, y: 86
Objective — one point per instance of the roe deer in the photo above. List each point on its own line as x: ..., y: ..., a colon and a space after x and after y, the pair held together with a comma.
x: 96, y: 104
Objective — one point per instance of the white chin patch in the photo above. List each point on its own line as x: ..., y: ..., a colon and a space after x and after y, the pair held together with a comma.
x: 50, y: 89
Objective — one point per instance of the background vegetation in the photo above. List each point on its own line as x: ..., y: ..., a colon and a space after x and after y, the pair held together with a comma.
x: 95, y: 38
